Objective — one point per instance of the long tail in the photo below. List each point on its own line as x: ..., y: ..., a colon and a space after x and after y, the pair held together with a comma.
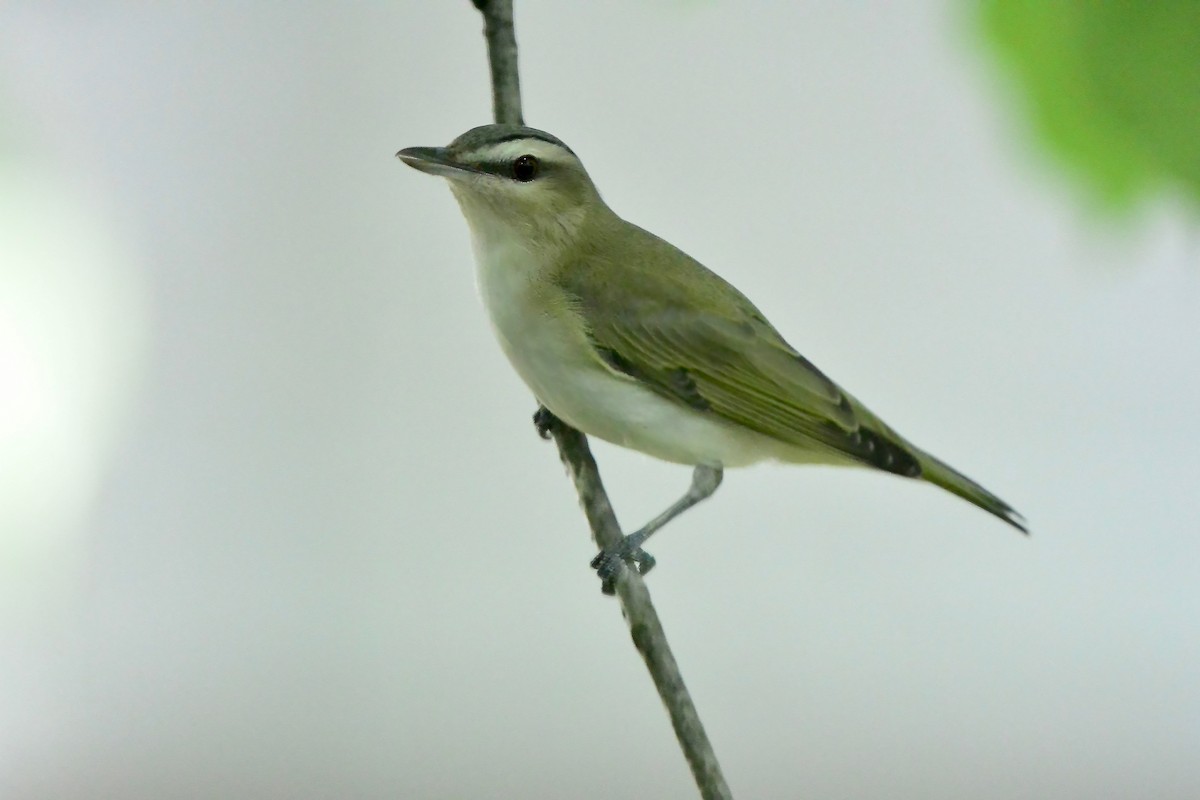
x: 945, y: 476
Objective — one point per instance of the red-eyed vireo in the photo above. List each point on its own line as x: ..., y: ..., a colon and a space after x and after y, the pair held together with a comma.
x: 627, y: 338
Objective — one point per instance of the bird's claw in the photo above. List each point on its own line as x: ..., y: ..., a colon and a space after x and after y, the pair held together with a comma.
x: 545, y: 422
x: 607, y: 563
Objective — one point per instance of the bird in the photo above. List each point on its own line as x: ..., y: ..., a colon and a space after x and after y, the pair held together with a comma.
x: 625, y: 337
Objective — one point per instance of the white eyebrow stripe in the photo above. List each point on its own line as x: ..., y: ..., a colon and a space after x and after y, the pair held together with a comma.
x: 507, y: 151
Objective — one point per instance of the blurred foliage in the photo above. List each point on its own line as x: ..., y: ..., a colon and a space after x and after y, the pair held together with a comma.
x: 1113, y: 87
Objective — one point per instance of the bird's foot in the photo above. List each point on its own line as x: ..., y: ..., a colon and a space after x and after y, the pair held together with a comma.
x: 545, y: 422
x: 607, y: 562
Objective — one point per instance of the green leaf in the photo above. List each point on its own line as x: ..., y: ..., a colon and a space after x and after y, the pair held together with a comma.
x: 1113, y: 88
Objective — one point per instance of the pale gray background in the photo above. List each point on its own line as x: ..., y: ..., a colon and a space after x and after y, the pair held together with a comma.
x: 275, y: 522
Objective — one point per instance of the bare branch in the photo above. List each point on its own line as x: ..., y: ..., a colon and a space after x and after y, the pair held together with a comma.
x: 644, y: 626
x: 502, y: 57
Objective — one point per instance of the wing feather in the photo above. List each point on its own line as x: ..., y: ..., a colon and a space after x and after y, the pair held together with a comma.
x: 690, y: 336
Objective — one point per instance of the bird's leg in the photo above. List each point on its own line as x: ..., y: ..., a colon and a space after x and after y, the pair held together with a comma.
x: 705, y: 480
x: 545, y: 422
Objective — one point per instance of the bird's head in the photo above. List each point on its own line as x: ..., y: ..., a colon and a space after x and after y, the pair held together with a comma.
x: 512, y: 180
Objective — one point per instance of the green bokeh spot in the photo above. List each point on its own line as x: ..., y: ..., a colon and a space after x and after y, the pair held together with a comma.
x: 1113, y: 87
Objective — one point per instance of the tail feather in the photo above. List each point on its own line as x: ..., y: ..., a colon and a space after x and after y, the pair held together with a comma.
x: 941, y: 474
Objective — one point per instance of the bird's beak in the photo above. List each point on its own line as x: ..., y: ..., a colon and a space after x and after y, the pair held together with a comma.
x: 435, y: 161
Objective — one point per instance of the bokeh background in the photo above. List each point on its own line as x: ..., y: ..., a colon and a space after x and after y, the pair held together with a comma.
x: 273, y: 518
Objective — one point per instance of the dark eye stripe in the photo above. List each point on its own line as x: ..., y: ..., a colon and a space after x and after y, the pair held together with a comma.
x: 505, y: 168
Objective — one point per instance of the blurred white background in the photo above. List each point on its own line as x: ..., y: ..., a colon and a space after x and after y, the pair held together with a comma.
x: 274, y: 521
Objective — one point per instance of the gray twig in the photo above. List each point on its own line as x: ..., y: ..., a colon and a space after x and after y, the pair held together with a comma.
x: 502, y: 57
x: 648, y: 635
x: 644, y: 626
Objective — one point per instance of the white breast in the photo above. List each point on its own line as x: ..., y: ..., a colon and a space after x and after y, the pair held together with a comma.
x: 550, y: 351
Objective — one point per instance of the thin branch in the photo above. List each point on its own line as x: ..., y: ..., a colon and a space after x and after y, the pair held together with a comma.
x: 502, y: 57
x: 648, y: 635
x: 644, y: 626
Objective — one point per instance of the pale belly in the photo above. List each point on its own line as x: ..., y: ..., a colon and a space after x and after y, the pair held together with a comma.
x: 555, y: 360
x: 616, y: 409
x: 547, y: 346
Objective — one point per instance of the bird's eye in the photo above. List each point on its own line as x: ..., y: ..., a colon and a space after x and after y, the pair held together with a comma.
x: 525, y: 168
